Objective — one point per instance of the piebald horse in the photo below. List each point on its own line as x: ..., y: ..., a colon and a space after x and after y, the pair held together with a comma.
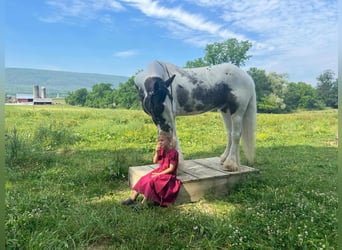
x: 167, y: 91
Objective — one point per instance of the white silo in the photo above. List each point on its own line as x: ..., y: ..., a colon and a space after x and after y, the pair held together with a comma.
x: 36, y: 91
x: 43, y: 92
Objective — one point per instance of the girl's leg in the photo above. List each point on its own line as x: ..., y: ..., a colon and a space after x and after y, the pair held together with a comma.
x: 131, y: 199
x: 134, y: 195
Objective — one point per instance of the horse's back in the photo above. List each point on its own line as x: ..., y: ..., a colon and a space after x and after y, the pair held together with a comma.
x: 227, y: 72
x: 211, y: 75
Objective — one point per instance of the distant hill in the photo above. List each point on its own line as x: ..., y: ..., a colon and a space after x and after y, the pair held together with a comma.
x: 21, y: 80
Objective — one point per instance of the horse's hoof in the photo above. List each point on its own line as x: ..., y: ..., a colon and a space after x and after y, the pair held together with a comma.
x: 230, y: 166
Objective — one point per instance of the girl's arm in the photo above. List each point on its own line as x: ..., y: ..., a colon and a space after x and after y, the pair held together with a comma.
x: 155, y: 157
x: 166, y: 171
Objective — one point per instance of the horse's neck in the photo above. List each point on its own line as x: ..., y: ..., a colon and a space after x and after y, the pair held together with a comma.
x: 156, y: 69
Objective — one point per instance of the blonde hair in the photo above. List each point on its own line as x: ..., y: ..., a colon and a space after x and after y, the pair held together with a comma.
x: 168, y: 136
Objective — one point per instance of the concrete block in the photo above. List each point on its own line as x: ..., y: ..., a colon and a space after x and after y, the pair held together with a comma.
x: 199, y: 177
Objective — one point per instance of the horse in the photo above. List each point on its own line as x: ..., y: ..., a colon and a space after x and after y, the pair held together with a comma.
x: 167, y: 91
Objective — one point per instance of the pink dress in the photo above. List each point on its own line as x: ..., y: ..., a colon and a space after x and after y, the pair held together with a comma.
x: 162, y: 189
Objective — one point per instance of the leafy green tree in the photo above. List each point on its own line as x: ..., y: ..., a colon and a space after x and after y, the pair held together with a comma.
x: 78, y: 97
x: 278, y: 82
x: 270, y: 104
x: 126, y: 96
x: 334, y: 95
x: 101, y: 96
x: 270, y: 90
x: 327, y: 89
x: 199, y: 62
x: 229, y: 51
x: 262, y: 83
x: 301, y: 96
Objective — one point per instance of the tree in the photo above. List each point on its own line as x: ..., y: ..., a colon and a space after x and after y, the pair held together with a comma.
x: 199, y: 62
x: 278, y: 82
x: 101, y: 96
x: 262, y: 83
x: 78, y: 97
x: 270, y: 90
x: 270, y: 104
x: 327, y: 89
x: 229, y: 51
x: 301, y: 96
x: 126, y: 96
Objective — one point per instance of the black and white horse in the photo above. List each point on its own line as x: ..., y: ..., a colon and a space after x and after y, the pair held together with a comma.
x: 167, y: 91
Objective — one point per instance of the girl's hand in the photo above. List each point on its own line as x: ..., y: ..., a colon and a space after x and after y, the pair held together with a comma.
x: 158, y: 147
x: 155, y: 174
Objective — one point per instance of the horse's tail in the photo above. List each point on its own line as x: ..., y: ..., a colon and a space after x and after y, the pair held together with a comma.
x: 249, y: 129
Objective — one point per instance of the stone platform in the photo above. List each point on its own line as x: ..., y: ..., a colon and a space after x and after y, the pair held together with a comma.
x: 199, y: 177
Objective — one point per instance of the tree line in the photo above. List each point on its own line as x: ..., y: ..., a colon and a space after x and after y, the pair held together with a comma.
x: 275, y: 94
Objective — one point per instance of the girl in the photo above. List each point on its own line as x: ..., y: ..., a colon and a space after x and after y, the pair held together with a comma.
x: 161, y: 184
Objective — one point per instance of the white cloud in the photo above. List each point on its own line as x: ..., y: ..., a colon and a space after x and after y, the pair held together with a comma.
x: 184, y: 23
x: 107, y: 4
x: 63, y: 10
x: 125, y: 53
x: 193, y: 21
x: 295, y: 37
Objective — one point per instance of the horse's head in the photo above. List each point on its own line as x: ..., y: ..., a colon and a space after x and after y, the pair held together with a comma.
x: 157, y: 101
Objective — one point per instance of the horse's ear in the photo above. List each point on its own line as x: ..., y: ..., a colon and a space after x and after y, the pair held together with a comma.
x: 169, y: 81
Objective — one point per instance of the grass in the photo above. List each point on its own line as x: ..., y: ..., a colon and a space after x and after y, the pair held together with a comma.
x: 67, y: 171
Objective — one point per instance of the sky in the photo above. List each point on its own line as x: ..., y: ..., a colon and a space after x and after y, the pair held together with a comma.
x: 298, y: 38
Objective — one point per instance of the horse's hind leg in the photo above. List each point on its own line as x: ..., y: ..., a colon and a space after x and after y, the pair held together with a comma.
x: 232, y: 161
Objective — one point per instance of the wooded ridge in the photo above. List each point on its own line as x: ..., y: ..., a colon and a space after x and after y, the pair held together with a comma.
x: 22, y: 80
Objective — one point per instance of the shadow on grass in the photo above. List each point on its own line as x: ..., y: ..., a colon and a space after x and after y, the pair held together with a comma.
x: 295, y: 190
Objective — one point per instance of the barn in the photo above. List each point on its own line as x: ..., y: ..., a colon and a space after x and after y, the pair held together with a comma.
x: 24, y: 98
x: 36, y: 98
x: 42, y: 101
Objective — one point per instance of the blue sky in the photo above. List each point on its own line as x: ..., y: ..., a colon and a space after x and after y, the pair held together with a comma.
x: 120, y: 37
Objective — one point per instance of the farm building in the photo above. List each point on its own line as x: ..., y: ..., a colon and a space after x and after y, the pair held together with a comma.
x: 24, y: 98
x: 36, y: 98
x: 42, y: 101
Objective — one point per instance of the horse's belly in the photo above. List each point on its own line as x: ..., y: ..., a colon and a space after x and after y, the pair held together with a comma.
x: 196, y: 108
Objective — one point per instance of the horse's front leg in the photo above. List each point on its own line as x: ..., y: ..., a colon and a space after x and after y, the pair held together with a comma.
x: 180, y: 154
x: 227, y: 119
x: 232, y: 162
x: 180, y: 159
x: 225, y: 154
x: 176, y: 144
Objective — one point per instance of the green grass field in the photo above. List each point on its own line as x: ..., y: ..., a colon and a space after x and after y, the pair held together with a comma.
x: 67, y: 172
